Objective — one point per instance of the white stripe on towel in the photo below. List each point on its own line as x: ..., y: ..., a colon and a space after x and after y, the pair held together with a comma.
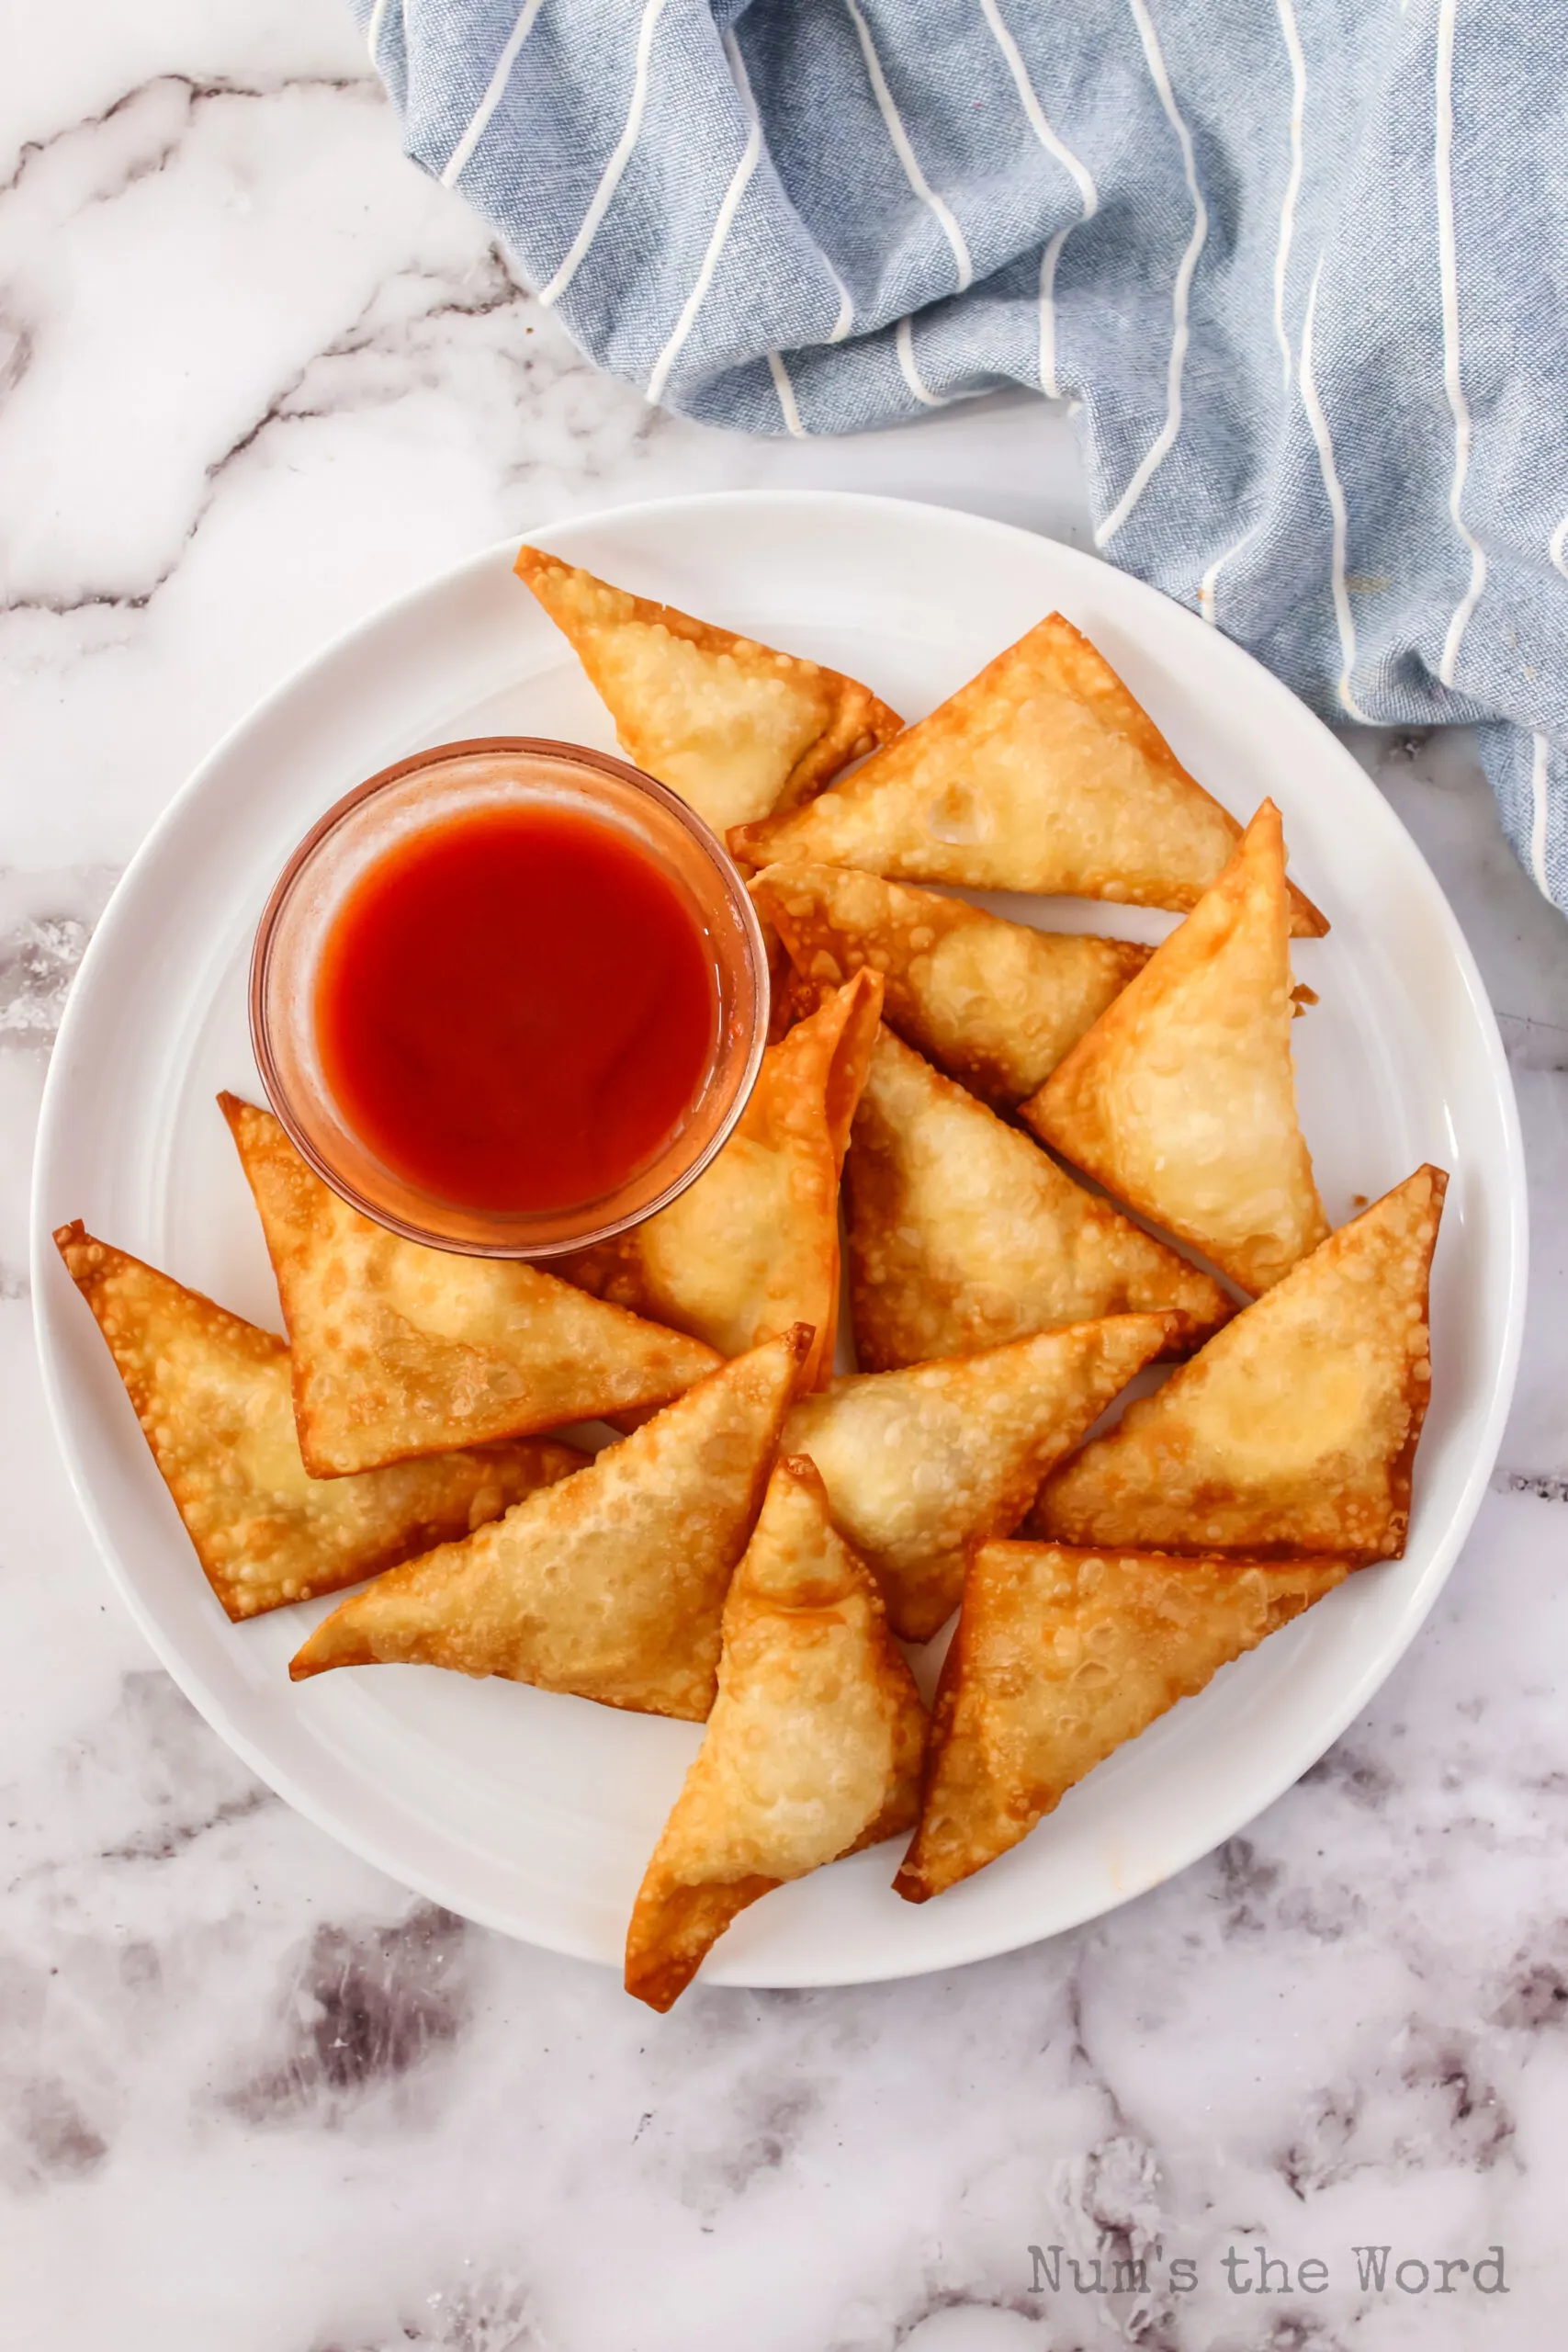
x: 1452, y: 384
x: 1559, y: 547
x: 604, y: 193
x: 904, y: 341
x: 1155, y: 454
x: 1294, y: 181
x: 724, y: 222
x: 785, y: 392
x: 906, y: 153
x: 494, y: 91
x: 1088, y: 195
x: 373, y: 31
x: 1331, y: 484
x: 1538, y: 814
x: 1049, y: 382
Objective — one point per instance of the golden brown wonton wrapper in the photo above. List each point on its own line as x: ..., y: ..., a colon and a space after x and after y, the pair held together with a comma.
x: 1181, y: 1100
x: 995, y: 1004
x: 1041, y: 773
x: 1294, y: 1431
x: 212, y: 1394
x: 753, y: 1246
x: 964, y: 1234
x: 610, y: 1586
x: 1060, y: 1657
x: 734, y: 727
x: 920, y: 1463
x: 399, y: 1350
x: 813, y: 1749
x: 784, y: 1008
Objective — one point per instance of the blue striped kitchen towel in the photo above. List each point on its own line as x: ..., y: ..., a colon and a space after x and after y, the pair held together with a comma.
x: 1301, y: 266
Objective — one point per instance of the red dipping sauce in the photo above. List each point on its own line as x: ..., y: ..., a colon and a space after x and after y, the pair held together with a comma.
x: 515, y: 1008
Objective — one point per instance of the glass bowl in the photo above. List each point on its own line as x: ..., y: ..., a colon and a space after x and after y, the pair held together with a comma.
x: 453, y: 780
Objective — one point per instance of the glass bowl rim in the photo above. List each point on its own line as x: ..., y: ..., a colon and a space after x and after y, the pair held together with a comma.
x: 573, y: 755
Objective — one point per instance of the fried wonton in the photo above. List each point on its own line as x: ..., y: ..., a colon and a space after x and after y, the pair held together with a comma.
x: 1294, y: 1431
x: 1059, y: 1659
x: 995, y: 1004
x: 920, y: 1463
x: 753, y: 1246
x: 212, y: 1394
x: 964, y: 1234
x: 813, y: 1749
x: 1181, y: 1100
x: 610, y: 1586
x: 1041, y: 773
x: 736, y: 729
x: 399, y: 1350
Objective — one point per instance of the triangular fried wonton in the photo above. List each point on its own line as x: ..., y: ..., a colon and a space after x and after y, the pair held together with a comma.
x: 813, y: 1749
x: 399, y: 1350
x: 964, y: 1234
x: 1181, y: 1100
x: 212, y: 1394
x: 1296, y: 1429
x: 920, y: 1463
x: 995, y: 1004
x: 610, y: 1586
x: 1059, y: 1659
x: 1041, y: 773
x: 753, y: 1246
x: 733, y: 727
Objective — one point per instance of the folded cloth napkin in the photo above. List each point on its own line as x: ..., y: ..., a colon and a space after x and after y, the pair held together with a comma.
x: 1300, y: 265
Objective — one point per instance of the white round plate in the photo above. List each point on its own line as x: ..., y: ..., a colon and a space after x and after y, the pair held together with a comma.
x: 536, y: 1814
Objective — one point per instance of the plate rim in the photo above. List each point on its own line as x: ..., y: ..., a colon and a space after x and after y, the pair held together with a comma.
x: 963, y: 1950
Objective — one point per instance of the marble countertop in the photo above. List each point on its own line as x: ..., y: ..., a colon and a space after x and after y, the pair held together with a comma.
x: 257, y: 374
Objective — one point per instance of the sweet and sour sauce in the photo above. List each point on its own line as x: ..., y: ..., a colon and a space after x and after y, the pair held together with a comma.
x: 515, y: 1007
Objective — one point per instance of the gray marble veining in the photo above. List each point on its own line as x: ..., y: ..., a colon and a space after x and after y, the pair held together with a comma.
x: 257, y: 374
